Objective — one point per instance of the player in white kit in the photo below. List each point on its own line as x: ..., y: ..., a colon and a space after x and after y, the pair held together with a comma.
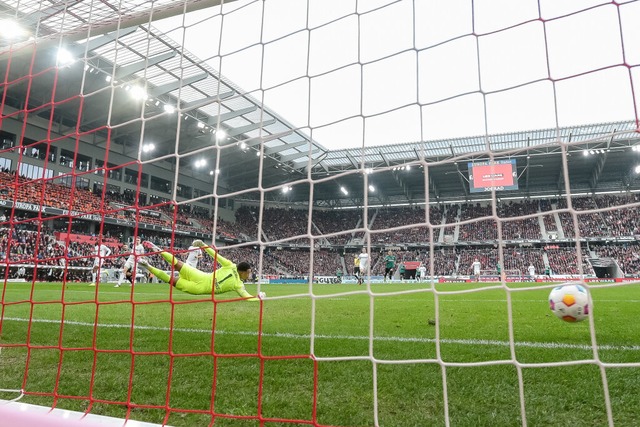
x: 100, y: 252
x: 364, y: 265
x: 128, y: 270
x: 195, y: 253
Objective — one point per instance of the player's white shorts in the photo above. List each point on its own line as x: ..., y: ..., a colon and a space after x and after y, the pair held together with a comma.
x: 363, y: 267
x: 128, y: 265
x: 98, y: 262
x: 193, y: 264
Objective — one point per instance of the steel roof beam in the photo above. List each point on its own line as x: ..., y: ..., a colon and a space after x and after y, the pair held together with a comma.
x: 248, y: 128
x: 278, y: 148
x: 127, y: 70
x: 170, y: 87
x: 266, y: 138
x: 214, y: 120
x: 102, y: 40
x: 298, y: 155
x: 194, y: 105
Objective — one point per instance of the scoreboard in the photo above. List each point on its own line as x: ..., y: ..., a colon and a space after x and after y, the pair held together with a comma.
x: 497, y: 175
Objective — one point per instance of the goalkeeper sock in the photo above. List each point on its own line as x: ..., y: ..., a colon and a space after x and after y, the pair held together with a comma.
x: 169, y: 257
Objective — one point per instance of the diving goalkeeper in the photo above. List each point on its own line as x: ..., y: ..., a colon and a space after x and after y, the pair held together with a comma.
x: 230, y: 277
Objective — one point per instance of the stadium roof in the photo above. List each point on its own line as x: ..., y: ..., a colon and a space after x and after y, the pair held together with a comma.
x: 108, y: 64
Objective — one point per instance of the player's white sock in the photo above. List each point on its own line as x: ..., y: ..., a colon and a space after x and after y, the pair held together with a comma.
x: 93, y: 278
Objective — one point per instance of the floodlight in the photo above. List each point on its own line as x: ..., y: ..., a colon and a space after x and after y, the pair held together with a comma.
x: 10, y: 29
x: 65, y: 57
x: 221, y: 134
x: 138, y: 92
x: 147, y: 148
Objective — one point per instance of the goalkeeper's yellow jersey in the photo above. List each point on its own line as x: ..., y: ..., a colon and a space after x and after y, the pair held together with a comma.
x: 226, y: 279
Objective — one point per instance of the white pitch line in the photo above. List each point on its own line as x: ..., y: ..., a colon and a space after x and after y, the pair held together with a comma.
x: 497, y: 343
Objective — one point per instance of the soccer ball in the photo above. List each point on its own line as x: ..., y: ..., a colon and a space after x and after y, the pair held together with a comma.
x: 262, y: 295
x: 569, y: 303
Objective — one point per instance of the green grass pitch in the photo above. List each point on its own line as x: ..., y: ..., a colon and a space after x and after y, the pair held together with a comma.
x: 314, y: 361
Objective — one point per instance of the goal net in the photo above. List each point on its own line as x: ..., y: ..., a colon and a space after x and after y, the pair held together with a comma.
x: 165, y: 164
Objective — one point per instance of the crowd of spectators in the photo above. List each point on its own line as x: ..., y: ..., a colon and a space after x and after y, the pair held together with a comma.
x: 627, y: 256
x: 27, y: 246
x: 590, y: 224
x: 602, y: 216
x: 623, y: 221
x: 479, y: 230
x: 342, y: 222
x: 550, y: 224
x: 413, y: 221
x: 519, y: 228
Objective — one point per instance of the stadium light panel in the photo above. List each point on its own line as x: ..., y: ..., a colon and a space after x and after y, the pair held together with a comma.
x: 637, y: 169
x: 344, y: 191
x: 64, y: 57
x: 169, y: 108
x: 221, y: 134
x: 201, y: 125
x: 372, y: 188
x: 138, y: 92
x: 11, y: 30
x: 243, y: 145
x: 147, y: 148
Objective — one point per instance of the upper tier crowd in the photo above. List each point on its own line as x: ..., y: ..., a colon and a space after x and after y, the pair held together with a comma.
x: 600, y: 217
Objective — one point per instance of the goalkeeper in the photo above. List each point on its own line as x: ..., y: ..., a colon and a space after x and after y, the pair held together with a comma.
x: 230, y: 277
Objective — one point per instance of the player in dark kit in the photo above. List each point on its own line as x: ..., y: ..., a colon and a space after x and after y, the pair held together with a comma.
x: 389, y: 265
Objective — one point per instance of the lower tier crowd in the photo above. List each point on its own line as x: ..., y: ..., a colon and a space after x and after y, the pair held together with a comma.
x: 54, y: 257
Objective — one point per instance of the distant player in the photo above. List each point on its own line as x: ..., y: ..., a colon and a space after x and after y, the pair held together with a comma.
x: 364, y: 264
x: 476, y: 269
x: 389, y: 265
x: 194, y: 256
x: 230, y: 277
x: 532, y: 271
x: 356, y: 268
x: 100, y: 252
x: 128, y: 271
x: 422, y: 273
